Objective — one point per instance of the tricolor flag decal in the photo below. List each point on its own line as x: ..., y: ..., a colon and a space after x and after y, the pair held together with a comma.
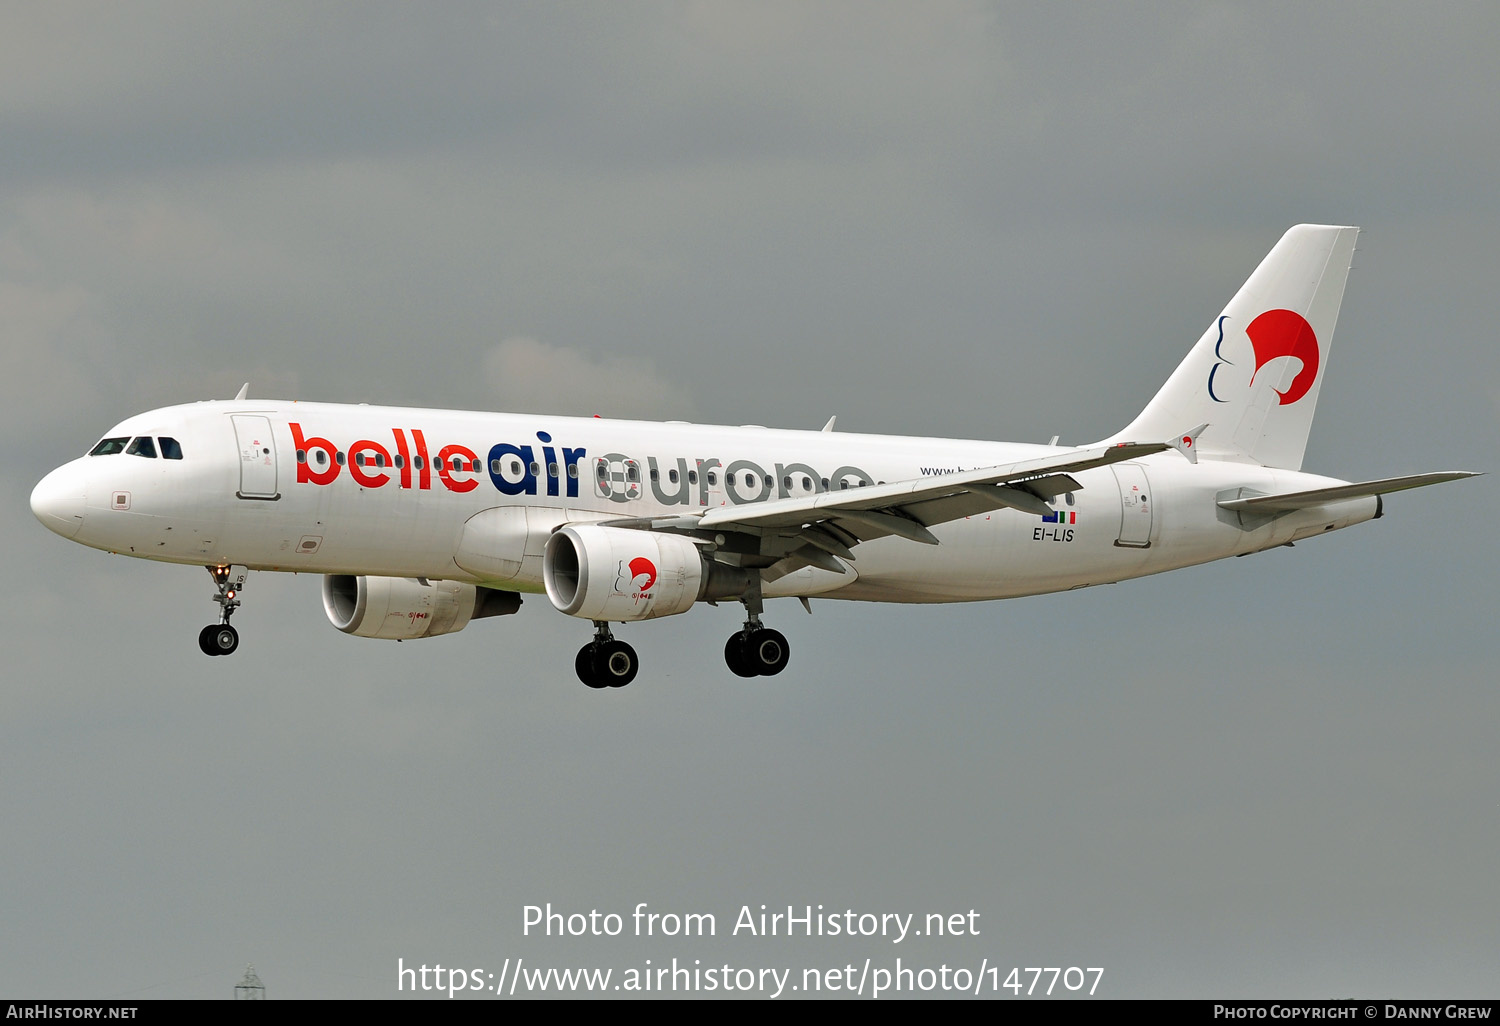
x: 1058, y: 516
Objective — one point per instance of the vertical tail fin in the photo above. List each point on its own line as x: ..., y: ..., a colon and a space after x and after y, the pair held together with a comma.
x: 1254, y: 376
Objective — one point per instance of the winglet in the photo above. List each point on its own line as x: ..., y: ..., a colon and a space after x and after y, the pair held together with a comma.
x: 829, y: 425
x: 244, y: 391
x: 1187, y: 442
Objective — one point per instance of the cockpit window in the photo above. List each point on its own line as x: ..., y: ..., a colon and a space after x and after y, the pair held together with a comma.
x: 170, y: 450
x: 142, y: 446
x: 109, y: 446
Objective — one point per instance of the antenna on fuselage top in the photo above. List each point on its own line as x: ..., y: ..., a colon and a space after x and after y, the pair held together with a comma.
x: 829, y: 425
x: 244, y: 391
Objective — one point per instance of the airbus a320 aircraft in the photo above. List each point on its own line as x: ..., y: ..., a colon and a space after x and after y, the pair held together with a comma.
x: 423, y: 520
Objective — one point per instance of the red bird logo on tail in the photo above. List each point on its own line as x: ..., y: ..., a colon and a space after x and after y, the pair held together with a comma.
x: 1285, y: 333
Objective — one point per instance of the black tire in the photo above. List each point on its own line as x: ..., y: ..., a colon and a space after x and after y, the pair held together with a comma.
x: 206, y: 640
x: 615, y: 664
x: 583, y: 665
x: 766, y: 650
x: 224, y: 639
x: 735, y: 657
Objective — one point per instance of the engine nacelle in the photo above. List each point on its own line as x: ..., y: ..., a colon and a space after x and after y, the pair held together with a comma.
x: 612, y: 573
x: 397, y: 608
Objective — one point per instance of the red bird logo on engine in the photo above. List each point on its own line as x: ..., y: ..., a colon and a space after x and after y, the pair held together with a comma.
x: 636, y: 579
x: 642, y: 567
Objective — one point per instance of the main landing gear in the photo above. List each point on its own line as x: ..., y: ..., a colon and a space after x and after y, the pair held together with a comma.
x: 220, y: 638
x: 606, y: 662
x: 756, y: 651
x: 753, y: 651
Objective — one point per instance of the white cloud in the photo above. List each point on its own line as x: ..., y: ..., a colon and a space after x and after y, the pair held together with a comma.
x: 527, y: 376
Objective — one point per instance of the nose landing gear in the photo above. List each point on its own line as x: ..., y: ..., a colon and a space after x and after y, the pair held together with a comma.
x: 220, y: 638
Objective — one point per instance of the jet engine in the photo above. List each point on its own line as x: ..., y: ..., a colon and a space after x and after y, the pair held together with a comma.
x: 614, y: 573
x: 397, y: 608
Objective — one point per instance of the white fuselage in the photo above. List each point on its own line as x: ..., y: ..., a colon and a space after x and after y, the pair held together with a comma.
x: 275, y: 485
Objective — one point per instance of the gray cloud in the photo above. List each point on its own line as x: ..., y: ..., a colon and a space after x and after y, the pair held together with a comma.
x: 1267, y: 777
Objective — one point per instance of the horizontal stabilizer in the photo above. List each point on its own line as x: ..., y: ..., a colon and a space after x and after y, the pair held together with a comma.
x: 1323, y: 496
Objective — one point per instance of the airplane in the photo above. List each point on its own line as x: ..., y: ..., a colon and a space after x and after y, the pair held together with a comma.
x: 423, y: 520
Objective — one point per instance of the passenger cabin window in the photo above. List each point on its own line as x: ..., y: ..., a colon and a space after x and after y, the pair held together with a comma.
x: 170, y: 450
x: 142, y: 446
x: 109, y: 446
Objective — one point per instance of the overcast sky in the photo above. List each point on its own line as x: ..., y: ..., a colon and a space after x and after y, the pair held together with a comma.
x: 1268, y: 777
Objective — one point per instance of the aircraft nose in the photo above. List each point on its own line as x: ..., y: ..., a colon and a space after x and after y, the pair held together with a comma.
x: 58, y: 500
